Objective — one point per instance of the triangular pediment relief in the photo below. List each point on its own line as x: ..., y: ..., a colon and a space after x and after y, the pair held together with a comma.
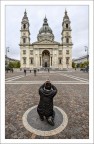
x: 46, y: 42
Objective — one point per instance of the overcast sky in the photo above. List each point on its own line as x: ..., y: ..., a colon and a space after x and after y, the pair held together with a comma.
x: 79, y: 23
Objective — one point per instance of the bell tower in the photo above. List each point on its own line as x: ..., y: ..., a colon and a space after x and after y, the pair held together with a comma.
x: 24, y: 41
x: 66, y: 41
x: 25, y: 33
x: 66, y: 30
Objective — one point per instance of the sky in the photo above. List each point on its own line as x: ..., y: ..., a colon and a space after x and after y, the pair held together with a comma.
x: 79, y: 23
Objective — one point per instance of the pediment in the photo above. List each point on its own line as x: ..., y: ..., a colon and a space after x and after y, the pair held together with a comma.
x: 46, y: 42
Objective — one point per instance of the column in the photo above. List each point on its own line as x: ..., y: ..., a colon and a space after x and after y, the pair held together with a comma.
x: 51, y: 61
x: 40, y: 61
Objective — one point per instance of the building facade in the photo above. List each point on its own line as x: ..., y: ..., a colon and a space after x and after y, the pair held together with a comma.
x: 46, y: 52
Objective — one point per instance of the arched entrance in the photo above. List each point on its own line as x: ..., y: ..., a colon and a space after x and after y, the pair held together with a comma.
x: 45, y: 58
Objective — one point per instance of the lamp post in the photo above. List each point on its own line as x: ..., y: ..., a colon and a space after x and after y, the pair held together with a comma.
x: 7, y: 50
x: 86, y: 50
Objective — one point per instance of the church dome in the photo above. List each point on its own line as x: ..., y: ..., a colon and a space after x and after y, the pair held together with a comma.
x: 45, y: 29
x: 45, y: 32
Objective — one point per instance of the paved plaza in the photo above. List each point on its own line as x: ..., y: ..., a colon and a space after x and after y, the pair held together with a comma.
x: 21, y: 93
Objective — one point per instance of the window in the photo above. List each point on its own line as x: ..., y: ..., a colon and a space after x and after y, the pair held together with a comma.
x: 60, y: 60
x: 66, y: 25
x: 24, y: 60
x: 24, y: 40
x: 67, y: 40
x: 67, y: 60
x: 60, y: 52
x: 24, y: 51
x: 31, y: 60
x: 24, y: 26
x: 67, y: 51
x: 67, y: 33
x: 31, y: 52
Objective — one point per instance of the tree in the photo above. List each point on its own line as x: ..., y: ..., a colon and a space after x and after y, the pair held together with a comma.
x: 11, y: 65
x: 84, y: 64
x: 18, y: 64
x: 73, y: 64
x: 78, y: 65
x: 15, y: 64
x: 81, y: 65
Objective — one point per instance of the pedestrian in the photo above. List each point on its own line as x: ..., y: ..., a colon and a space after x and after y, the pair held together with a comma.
x: 30, y: 71
x: 45, y: 107
x: 35, y: 72
x: 12, y: 70
x: 25, y: 72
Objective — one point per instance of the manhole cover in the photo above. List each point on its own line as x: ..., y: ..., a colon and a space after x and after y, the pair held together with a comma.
x: 33, y: 123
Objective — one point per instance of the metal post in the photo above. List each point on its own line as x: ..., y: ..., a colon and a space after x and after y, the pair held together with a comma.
x: 7, y: 50
x: 86, y: 49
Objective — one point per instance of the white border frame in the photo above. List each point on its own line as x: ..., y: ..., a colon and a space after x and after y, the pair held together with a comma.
x: 86, y: 141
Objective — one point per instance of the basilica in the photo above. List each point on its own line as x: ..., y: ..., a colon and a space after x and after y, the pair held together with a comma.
x: 46, y: 52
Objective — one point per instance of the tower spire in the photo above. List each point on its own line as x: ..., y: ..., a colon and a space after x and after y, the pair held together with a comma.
x: 25, y: 13
x: 45, y: 21
x: 65, y: 11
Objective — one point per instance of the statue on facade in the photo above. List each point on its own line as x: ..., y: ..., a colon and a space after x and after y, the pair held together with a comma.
x: 45, y: 107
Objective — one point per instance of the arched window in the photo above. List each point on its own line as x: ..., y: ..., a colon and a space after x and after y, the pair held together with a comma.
x: 60, y: 60
x: 24, y: 60
x: 67, y: 60
x: 31, y: 60
x: 67, y: 33
x: 66, y: 25
x: 67, y: 40
x: 24, y: 26
x: 67, y: 51
x: 24, y: 51
x: 24, y: 40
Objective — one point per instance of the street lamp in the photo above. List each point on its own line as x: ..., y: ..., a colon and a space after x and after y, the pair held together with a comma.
x: 86, y: 50
x: 7, y: 50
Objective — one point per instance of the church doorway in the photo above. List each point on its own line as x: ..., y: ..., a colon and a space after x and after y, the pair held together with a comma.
x: 45, y: 58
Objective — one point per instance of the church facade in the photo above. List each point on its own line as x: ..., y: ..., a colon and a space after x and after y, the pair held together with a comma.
x: 46, y: 52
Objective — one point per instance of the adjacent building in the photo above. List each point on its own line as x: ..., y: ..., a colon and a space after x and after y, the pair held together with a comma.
x: 81, y: 59
x: 46, y: 52
x: 8, y: 60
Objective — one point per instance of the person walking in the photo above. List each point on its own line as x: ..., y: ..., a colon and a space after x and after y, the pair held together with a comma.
x: 35, y: 72
x: 48, y: 69
x: 25, y: 72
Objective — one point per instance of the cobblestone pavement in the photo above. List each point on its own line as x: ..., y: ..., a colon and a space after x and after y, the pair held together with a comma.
x: 72, y: 98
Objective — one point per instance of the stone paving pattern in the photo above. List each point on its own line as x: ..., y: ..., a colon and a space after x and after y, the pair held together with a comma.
x: 43, y: 77
x: 73, y: 99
